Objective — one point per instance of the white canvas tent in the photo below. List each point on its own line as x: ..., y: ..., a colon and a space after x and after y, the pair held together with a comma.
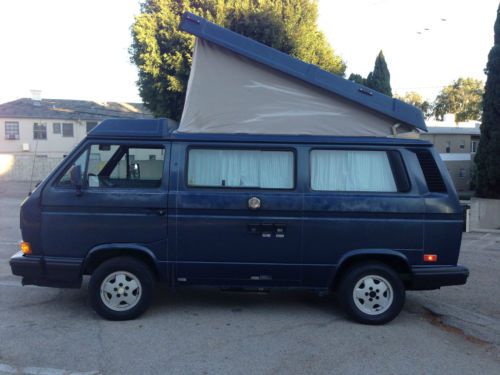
x: 229, y: 92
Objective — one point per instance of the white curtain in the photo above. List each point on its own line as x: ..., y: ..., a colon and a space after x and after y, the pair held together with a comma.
x: 341, y: 170
x: 241, y: 168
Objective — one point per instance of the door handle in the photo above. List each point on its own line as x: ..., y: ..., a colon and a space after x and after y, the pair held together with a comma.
x: 267, y: 230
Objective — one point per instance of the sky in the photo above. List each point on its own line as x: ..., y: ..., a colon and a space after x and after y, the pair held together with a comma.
x: 78, y: 49
x: 425, y: 62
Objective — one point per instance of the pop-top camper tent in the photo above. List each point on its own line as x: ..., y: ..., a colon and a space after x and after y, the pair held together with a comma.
x: 238, y: 85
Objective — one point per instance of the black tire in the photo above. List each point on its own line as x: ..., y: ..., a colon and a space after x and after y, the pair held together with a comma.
x: 126, y: 266
x: 381, y: 271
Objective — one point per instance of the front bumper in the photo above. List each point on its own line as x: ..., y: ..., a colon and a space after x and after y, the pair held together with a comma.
x: 434, y: 277
x: 47, y: 271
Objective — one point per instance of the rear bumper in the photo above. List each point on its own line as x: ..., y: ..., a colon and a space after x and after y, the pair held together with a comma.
x: 434, y: 277
x: 47, y: 271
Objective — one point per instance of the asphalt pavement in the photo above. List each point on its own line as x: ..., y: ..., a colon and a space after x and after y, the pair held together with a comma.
x: 454, y: 330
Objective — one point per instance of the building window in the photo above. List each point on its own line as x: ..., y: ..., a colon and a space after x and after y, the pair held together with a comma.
x: 448, y: 147
x: 39, y: 131
x: 473, y: 146
x: 462, y: 144
x: 461, y: 173
x: 56, y: 128
x: 11, y: 130
x: 91, y: 125
x: 67, y: 129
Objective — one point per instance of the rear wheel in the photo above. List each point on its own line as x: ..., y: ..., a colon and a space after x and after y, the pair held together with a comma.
x: 372, y: 293
x: 121, y: 288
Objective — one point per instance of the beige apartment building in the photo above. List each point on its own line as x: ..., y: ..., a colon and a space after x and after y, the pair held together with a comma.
x: 457, y: 146
x: 35, y: 134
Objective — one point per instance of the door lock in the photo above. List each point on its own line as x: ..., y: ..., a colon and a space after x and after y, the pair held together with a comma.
x: 254, y: 203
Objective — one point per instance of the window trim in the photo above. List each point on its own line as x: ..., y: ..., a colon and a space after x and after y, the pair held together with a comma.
x: 362, y: 192
x: 242, y: 148
x: 12, y: 123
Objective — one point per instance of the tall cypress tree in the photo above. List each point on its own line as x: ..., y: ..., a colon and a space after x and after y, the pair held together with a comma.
x: 380, y: 78
x: 488, y: 155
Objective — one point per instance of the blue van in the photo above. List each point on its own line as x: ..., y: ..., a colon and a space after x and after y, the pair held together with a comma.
x: 136, y: 203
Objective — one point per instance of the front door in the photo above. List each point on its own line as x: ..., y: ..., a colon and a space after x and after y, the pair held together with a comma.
x: 237, y: 216
x: 123, y: 200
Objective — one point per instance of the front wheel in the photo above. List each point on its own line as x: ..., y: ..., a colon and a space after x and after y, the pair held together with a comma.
x: 372, y: 293
x: 121, y: 288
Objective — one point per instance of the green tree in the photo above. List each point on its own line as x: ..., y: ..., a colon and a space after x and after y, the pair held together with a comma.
x: 380, y: 79
x: 358, y: 78
x: 415, y: 99
x: 463, y: 98
x: 488, y: 155
x: 163, y: 54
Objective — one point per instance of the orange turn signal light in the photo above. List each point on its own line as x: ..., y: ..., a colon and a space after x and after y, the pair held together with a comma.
x: 25, y: 247
x: 430, y: 258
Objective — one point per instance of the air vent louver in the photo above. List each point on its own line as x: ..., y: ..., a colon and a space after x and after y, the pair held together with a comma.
x: 432, y: 175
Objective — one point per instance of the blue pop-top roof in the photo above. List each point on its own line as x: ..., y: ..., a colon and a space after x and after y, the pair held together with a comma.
x: 309, y: 73
x: 163, y: 129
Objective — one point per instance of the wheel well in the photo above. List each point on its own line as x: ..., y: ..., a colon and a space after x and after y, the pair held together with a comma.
x: 101, y: 256
x: 397, y: 264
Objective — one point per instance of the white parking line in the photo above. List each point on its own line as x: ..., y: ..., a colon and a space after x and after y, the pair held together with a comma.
x: 7, y: 369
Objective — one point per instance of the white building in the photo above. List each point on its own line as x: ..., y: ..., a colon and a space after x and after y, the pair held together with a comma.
x: 36, y: 134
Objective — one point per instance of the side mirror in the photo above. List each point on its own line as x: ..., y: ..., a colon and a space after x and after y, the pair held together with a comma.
x: 75, y: 174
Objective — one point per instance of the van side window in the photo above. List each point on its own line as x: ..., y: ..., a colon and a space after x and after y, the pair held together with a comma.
x: 123, y: 166
x: 351, y: 170
x: 81, y: 161
x: 241, y: 168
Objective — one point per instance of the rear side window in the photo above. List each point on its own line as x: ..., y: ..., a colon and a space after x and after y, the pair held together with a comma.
x: 241, y: 169
x: 351, y: 170
x: 431, y: 172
